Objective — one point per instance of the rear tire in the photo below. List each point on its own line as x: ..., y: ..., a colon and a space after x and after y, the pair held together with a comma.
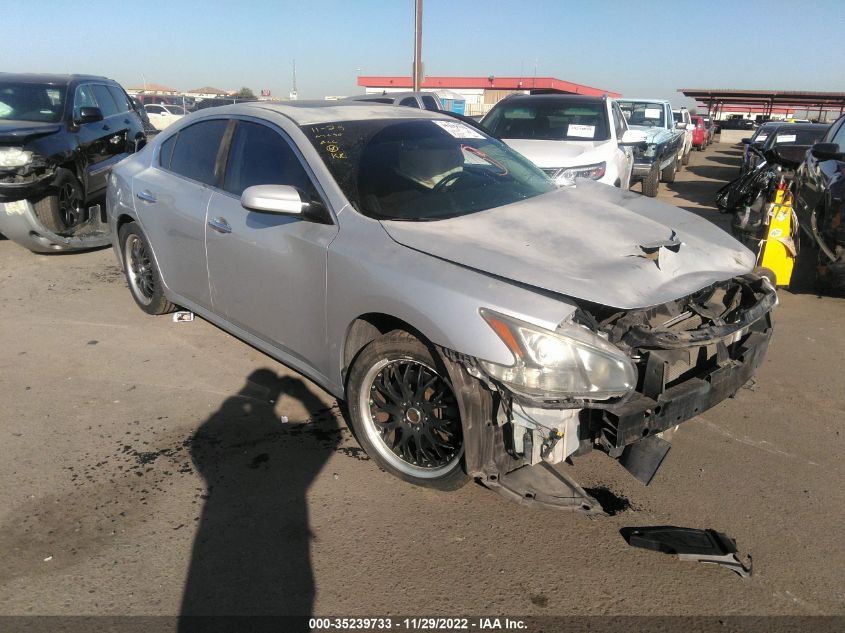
x: 404, y: 412
x: 668, y: 174
x: 651, y: 183
x: 63, y: 209
x: 141, y: 270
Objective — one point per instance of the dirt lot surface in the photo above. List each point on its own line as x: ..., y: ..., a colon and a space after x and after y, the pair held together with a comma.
x: 147, y: 468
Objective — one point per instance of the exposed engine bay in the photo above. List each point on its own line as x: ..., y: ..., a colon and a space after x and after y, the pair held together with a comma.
x: 690, y: 354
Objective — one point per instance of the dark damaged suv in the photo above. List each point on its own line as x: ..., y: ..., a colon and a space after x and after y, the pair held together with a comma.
x: 59, y: 136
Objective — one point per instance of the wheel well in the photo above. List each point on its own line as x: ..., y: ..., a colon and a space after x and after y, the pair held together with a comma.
x: 367, y: 328
x: 123, y: 219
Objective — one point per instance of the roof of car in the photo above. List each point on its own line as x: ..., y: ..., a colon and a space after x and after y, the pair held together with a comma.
x: 641, y: 100
x: 804, y: 126
x: 316, y: 112
x: 48, y: 78
x: 553, y: 97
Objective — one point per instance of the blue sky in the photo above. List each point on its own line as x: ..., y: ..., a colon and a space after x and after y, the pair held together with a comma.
x: 637, y: 47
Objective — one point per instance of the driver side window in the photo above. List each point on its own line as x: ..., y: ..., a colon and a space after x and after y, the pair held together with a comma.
x: 83, y: 98
x: 260, y: 156
x: 618, y: 122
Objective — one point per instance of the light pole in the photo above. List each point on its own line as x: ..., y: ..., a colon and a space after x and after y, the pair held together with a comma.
x: 418, y: 66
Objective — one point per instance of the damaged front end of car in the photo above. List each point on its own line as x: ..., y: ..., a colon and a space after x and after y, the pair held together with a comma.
x: 609, y: 380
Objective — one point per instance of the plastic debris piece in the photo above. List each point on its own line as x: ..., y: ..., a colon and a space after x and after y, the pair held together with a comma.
x: 183, y: 316
x: 692, y: 544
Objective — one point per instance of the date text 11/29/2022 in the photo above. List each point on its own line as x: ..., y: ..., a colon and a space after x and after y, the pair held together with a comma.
x: 443, y: 624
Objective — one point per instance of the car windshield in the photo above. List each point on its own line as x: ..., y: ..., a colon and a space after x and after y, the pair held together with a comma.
x: 423, y: 169
x: 174, y: 109
x: 31, y: 102
x: 643, y: 113
x: 679, y: 118
x: 790, y: 136
x: 551, y: 120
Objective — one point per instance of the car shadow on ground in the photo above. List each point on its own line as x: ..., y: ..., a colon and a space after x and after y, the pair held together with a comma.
x: 251, y: 553
x: 729, y: 158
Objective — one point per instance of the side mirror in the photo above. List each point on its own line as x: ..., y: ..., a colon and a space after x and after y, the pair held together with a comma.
x: 690, y: 126
x: 680, y: 125
x: 89, y: 114
x: 633, y: 137
x: 746, y: 141
x: 826, y: 151
x: 280, y: 199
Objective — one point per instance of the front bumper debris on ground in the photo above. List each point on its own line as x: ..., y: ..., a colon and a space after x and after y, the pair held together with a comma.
x: 20, y: 223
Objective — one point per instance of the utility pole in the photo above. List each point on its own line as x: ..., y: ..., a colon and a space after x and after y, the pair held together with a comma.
x: 418, y: 65
x: 294, y: 95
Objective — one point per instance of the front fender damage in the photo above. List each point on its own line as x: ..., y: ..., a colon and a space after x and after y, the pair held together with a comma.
x: 490, y: 456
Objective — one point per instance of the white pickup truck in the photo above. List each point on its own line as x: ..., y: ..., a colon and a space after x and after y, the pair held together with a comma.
x: 683, y: 122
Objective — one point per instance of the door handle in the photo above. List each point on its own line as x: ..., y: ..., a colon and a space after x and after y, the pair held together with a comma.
x: 146, y: 196
x: 220, y: 225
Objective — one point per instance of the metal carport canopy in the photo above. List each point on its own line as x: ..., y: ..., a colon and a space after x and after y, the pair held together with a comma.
x: 766, y: 99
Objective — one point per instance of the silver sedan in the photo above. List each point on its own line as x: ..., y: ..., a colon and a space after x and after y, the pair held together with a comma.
x: 479, y: 321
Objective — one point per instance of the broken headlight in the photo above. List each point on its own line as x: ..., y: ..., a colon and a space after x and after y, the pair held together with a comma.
x: 572, y: 362
x: 14, y: 157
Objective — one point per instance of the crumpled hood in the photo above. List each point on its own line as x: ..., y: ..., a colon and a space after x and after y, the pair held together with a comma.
x: 587, y: 242
x: 21, y: 131
x: 653, y: 134
x: 549, y: 154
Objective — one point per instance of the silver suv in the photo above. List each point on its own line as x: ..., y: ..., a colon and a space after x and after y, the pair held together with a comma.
x: 478, y: 321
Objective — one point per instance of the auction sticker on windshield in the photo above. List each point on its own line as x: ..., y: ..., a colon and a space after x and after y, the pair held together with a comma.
x: 785, y: 138
x: 652, y: 113
x: 581, y: 131
x: 458, y: 129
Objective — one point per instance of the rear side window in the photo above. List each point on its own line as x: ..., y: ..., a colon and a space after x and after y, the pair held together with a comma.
x: 260, y: 156
x: 120, y: 99
x: 195, y: 154
x: 410, y: 102
x: 104, y: 99
x: 430, y: 103
x: 166, y: 152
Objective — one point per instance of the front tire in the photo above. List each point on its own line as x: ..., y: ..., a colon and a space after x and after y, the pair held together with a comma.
x: 651, y: 183
x: 64, y: 209
x: 685, y: 159
x: 141, y: 270
x: 404, y: 412
x: 668, y: 174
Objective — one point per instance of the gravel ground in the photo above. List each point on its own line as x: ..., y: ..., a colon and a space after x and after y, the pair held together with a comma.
x: 147, y: 469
